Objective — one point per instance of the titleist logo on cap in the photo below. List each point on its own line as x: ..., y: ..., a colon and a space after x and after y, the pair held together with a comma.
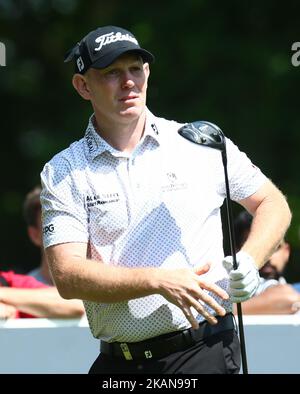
x: 102, y: 46
x: 109, y: 38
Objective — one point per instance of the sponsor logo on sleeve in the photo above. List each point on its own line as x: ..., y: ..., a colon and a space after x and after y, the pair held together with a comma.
x: 48, y: 229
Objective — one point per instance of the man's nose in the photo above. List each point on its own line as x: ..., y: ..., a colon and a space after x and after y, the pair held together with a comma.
x: 127, y: 80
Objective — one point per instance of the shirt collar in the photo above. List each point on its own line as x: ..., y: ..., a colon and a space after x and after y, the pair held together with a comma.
x: 152, y: 127
x: 96, y: 145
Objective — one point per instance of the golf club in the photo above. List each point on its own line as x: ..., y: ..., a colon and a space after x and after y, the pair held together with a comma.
x: 210, y: 135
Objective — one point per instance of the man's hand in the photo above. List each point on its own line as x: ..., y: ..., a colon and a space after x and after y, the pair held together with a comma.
x: 244, y: 281
x: 185, y: 288
x: 7, y: 311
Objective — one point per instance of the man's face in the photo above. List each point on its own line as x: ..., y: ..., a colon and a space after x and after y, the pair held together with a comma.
x: 118, y: 92
x: 274, y: 268
x: 35, y: 231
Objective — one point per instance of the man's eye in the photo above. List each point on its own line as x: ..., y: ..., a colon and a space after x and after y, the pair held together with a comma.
x: 136, y: 68
x: 112, y: 73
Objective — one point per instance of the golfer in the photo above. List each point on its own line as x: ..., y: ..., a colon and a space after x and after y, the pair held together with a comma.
x: 132, y: 226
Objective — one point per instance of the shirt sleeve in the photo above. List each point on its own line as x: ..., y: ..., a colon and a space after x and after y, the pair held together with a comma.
x: 244, y: 177
x: 63, y: 212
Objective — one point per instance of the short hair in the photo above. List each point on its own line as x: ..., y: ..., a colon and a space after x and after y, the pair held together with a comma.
x: 242, y: 224
x: 32, y: 206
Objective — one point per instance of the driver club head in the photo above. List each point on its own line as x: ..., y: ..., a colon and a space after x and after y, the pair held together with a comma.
x: 204, y: 133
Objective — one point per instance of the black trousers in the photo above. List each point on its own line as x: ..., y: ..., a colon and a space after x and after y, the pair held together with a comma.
x: 217, y: 354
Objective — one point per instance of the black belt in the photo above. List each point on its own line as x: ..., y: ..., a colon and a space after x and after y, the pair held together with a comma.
x: 165, y: 344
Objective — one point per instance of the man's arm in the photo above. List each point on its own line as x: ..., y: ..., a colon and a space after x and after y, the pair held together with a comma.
x: 271, y: 219
x: 279, y: 299
x: 77, y: 277
x: 44, y: 302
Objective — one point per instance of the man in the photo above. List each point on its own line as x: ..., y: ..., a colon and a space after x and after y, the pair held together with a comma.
x: 33, y: 295
x: 132, y: 227
x: 274, y: 295
x: 32, y: 215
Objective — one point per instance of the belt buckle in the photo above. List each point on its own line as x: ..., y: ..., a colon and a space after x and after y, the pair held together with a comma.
x: 126, y: 352
x: 148, y: 353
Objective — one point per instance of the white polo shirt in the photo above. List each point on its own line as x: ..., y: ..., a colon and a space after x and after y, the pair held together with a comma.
x: 158, y: 206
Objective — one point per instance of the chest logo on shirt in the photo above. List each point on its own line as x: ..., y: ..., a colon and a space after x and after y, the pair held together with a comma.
x: 101, y: 198
x: 172, y: 182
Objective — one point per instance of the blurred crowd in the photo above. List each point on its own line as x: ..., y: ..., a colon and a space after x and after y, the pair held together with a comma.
x: 274, y: 295
x: 34, y: 294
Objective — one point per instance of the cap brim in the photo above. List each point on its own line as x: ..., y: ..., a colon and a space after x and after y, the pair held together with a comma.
x: 105, y: 61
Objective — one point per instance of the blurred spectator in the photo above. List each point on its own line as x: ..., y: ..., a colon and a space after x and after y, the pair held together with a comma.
x: 296, y: 286
x: 32, y: 215
x: 33, y: 295
x: 24, y: 296
x: 274, y: 295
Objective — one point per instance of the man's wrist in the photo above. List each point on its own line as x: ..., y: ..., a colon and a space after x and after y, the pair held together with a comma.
x: 244, y: 255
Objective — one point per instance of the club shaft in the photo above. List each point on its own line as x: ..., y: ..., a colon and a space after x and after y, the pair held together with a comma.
x: 235, y: 266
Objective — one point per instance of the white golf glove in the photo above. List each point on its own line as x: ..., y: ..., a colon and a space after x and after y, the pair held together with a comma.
x: 244, y: 281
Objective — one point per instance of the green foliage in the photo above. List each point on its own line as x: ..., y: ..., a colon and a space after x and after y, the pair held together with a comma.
x: 228, y: 62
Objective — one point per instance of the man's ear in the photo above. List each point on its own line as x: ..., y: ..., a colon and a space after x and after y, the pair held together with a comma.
x: 146, y: 69
x: 287, y: 248
x: 79, y: 83
x: 35, y: 235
